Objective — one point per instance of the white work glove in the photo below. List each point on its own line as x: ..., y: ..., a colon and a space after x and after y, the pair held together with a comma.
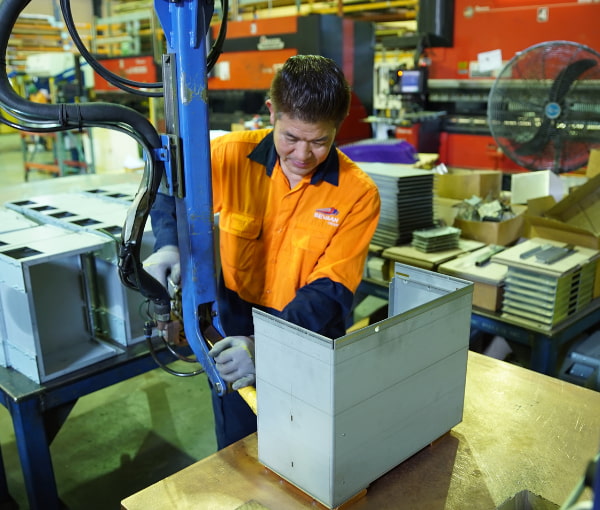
x: 163, y: 265
x: 234, y: 358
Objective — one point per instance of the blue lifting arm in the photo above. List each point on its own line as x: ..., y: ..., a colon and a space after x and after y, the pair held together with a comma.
x: 187, y: 168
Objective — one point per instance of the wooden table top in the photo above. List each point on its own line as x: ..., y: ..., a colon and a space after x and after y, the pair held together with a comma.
x: 521, y: 430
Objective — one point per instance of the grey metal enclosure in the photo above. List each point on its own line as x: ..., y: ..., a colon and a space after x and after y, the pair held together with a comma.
x: 336, y: 414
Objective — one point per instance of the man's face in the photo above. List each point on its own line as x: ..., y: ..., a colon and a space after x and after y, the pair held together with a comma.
x: 301, y: 146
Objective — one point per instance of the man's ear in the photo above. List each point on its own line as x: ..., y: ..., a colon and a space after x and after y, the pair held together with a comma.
x: 271, y: 108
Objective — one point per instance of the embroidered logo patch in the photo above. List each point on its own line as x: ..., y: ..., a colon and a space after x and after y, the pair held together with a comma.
x: 329, y: 215
x: 328, y: 210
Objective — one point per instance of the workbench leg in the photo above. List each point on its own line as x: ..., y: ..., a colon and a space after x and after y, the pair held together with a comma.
x: 543, y: 355
x: 4, y: 495
x: 34, y: 453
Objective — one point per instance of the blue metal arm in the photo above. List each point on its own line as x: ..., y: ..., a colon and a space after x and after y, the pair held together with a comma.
x: 185, y: 24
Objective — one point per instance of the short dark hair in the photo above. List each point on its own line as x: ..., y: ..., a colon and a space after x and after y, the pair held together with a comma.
x: 311, y: 88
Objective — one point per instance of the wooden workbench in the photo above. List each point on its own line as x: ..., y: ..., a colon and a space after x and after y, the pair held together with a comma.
x: 521, y: 430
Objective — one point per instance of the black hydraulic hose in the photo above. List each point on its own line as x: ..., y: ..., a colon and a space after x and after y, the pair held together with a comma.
x: 78, y: 116
x: 217, y: 47
x: 124, y: 83
x: 66, y: 114
x: 116, y: 80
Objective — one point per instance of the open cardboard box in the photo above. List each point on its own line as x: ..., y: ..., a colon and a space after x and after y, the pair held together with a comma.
x: 574, y: 220
x: 502, y: 233
x: 462, y: 183
x: 593, y: 166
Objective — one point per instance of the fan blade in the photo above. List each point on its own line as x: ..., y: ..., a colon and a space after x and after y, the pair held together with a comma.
x: 567, y: 77
x: 558, y: 91
x: 539, y: 140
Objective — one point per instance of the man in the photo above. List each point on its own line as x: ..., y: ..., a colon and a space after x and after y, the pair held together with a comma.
x: 296, y: 218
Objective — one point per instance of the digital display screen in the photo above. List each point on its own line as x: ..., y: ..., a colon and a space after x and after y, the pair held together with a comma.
x: 411, y: 82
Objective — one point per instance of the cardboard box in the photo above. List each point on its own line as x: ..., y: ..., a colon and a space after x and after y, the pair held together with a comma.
x: 460, y: 183
x: 445, y: 209
x: 488, y: 279
x: 593, y: 167
x: 529, y: 185
x: 581, y: 208
x: 502, y: 233
x: 574, y: 220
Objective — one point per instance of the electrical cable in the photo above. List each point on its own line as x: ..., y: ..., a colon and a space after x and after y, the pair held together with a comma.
x: 32, y: 129
x: 116, y: 80
x: 217, y: 47
x: 148, y: 326
x: 124, y: 83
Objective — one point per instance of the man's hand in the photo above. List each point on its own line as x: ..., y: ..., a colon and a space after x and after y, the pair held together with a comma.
x: 163, y: 265
x: 234, y: 358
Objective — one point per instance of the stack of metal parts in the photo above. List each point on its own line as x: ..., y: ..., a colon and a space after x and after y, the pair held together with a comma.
x: 406, y: 201
x: 62, y: 302
x: 546, y: 281
x: 436, y: 239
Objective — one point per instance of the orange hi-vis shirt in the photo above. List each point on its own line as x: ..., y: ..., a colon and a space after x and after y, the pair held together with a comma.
x: 275, y: 240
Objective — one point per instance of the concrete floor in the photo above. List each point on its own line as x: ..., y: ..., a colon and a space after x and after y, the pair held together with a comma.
x: 123, y: 438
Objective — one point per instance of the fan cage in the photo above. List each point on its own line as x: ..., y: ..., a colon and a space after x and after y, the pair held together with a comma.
x: 542, y: 108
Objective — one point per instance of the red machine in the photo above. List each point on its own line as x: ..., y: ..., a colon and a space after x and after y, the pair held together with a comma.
x: 511, y: 26
x: 457, y: 83
x: 139, y: 68
x: 255, y: 49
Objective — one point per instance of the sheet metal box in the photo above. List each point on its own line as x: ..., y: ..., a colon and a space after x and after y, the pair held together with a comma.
x: 336, y: 414
x: 117, y: 307
x: 46, y: 280
x: 9, y: 222
x: 12, y: 220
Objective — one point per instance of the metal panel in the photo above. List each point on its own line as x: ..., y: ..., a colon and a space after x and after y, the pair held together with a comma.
x: 335, y: 415
x: 11, y: 220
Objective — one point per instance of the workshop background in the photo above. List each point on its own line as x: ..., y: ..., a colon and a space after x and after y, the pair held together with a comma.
x: 425, y: 76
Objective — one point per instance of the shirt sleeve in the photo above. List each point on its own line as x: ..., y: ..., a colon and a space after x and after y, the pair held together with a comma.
x: 321, y: 306
x: 164, y: 221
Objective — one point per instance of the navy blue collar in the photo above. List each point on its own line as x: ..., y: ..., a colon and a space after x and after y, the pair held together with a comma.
x: 265, y: 154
